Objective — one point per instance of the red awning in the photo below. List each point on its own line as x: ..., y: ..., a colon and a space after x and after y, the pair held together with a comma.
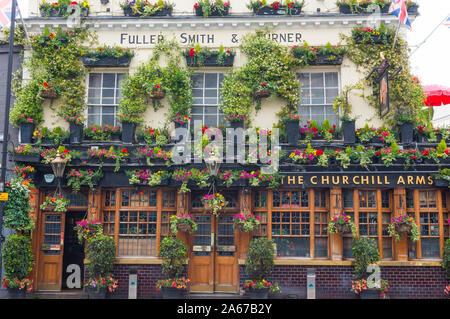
x: 436, y: 95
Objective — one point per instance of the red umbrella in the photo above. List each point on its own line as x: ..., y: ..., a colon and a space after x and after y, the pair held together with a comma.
x: 436, y: 95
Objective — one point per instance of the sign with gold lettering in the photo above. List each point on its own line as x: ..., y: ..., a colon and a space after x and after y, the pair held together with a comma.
x: 352, y: 180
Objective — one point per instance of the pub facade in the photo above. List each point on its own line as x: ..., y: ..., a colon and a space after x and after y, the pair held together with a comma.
x: 294, y: 212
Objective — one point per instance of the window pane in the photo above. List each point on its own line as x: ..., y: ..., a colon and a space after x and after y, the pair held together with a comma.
x: 430, y: 248
x: 317, y: 80
x: 292, y: 246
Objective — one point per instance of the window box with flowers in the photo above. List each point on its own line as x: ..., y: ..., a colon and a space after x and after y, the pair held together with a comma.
x: 78, y: 178
x: 154, y: 155
x: 191, y: 178
x: 102, y: 133
x: 181, y: 120
x: 426, y: 133
x: 108, y: 57
x: 64, y: 8
x: 307, y: 156
x: 401, y: 225
x: 245, y: 223
x: 26, y: 125
x: 208, y: 8
x: 214, y: 203
x: 292, y: 7
x: 142, y: 8
x: 388, y: 155
x: 310, y: 131
x: 183, y: 223
x: 25, y: 153
x: 56, y: 203
x: 148, y: 178
x: 56, y: 136
x: 361, y: 6
x: 330, y: 55
x: 197, y: 56
x: 442, y: 178
x: 364, y: 35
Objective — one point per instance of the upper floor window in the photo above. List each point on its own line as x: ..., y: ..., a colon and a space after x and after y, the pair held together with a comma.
x: 206, y: 92
x: 104, y: 94
x: 319, y: 90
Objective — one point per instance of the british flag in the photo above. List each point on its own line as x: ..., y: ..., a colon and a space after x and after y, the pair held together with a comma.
x: 447, y: 21
x: 398, y: 8
x: 5, y: 13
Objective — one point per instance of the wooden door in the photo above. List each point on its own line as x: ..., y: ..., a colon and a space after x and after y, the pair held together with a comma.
x: 213, y: 262
x: 225, y: 259
x: 51, y: 251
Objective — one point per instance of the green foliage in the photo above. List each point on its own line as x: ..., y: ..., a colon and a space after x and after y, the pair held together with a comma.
x: 365, y: 252
x: 17, y: 207
x: 270, y: 66
x: 406, y: 95
x: 446, y: 258
x: 259, y: 262
x: 108, y: 51
x: 17, y: 257
x: 174, y: 79
x: 173, y: 253
x: 54, y: 63
x: 101, y: 253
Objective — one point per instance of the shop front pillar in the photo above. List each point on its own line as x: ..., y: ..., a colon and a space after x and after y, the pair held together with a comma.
x: 401, y: 246
x: 336, y: 240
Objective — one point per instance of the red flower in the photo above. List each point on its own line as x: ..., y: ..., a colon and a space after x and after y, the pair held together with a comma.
x: 74, y: 3
x: 124, y: 150
x: 66, y: 151
x: 46, y: 85
x: 204, y: 129
x: 100, y: 49
x: 196, y: 6
x: 263, y: 84
x: 319, y: 152
x: 157, y: 86
x: 192, y: 52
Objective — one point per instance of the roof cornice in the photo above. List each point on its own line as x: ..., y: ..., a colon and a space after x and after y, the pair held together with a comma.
x: 109, y: 23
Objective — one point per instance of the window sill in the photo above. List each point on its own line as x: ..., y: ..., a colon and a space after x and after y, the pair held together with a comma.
x: 327, y: 262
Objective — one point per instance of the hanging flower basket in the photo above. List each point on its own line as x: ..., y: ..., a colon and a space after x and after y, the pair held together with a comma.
x: 49, y: 93
x: 214, y: 203
x: 343, y: 228
x: 402, y: 225
x: 262, y: 94
x: 184, y: 227
x: 158, y: 94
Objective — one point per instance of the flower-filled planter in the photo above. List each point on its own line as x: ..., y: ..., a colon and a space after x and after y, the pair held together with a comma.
x: 401, y: 225
x: 262, y: 92
x: 25, y: 153
x: 183, y: 224
x: 87, y: 229
x: 348, y: 130
x: 208, y: 8
x: 413, y: 8
x: 292, y: 123
x: 64, y: 8
x: 108, y: 57
x: 75, y: 129
x: 157, y: 93
x: 133, y: 8
x: 49, y: 92
x: 371, y: 36
x: 197, y: 56
x: 173, y: 288
x: 181, y: 120
x: 147, y: 177
x: 245, y: 223
x: 360, y: 288
x: 341, y: 225
x: 214, y: 203
x: 148, y: 154
x: 102, y: 133
x: 78, y: 178
x: 292, y: 7
x: 26, y: 131
x: 55, y: 203
x: 352, y: 7
x: 128, y: 130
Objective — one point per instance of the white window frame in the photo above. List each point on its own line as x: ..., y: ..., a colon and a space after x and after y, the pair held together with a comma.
x: 219, y: 113
x: 114, y: 71
x: 311, y: 71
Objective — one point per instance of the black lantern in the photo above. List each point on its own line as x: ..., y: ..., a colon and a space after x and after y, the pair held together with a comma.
x: 213, y: 164
x: 58, y: 167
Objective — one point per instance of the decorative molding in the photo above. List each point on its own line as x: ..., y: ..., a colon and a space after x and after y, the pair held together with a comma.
x: 35, y: 24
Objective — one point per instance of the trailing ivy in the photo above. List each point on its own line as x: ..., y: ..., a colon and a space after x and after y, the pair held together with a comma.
x: 270, y: 66
x: 174, y: 79
x: 406, y: 95
x: 55, y: 63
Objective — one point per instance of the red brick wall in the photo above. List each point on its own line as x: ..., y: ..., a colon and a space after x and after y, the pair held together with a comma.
x: 331, y: 281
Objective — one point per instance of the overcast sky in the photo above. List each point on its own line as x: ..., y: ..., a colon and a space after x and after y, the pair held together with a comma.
x: 431, y: 61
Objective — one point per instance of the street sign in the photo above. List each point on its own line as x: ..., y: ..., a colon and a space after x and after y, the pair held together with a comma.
x: 3, y: 197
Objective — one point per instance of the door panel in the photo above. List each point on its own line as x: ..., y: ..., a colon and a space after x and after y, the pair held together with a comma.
x: 225, y: 256
x: 51, y: 251
x: 213, y: 262
x: 200, y: 265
